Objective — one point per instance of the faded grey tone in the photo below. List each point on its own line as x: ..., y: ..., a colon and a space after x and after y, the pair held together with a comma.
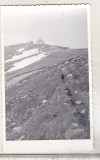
x: 46, y: 82
x: 64, y: 25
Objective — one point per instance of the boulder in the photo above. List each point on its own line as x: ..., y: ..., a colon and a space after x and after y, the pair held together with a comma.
x: 71, y: 133
x: 22, y: 137
x: 44, y: 101
x: 69, y: 75
x: 17, y: 130
x: 78, y: 102
x: 75, y: 124
x: 83, y: 111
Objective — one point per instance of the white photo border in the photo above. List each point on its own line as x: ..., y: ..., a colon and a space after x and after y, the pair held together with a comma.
x: 50, y: 147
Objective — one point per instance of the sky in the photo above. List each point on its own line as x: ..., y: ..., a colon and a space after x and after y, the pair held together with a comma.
x: 63, y: 25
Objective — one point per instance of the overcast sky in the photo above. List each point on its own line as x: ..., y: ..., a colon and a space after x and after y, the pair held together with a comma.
x: 64, y: 25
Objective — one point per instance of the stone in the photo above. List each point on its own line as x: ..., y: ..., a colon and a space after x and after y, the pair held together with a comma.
x: 71, y: 133
x: 17, y: 130
x: 24, y: 96
x: 71, y: 65
x: 44, y: 101
x: 86, y: 65
x: 83, y: 111
x: 74, y: 124
x: 13, y: 124
x: 78, y: 102
x: 76, y: 92
x: 8, y: 120
x: 66, y: 62
x: 22, y: 137
x: 63, y: 69
x: 69, y: 75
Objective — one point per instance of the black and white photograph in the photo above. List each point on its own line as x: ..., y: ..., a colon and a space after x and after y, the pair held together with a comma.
x: 46, y: 73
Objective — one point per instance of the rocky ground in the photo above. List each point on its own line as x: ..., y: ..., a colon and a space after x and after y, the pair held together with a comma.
x: 41, y: 104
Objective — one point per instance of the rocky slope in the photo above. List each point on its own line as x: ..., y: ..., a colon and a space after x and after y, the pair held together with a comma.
x: 43, y: 105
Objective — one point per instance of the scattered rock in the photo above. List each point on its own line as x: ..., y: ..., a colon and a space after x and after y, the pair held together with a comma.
x: 44, y: 101
x: 44, y: 117
x: 17, y: 130
x: 63, y: 69
x: 71, y: 65
x: 78, y: 102
x: 65, y: 103
x: 71, y: 133
x: 24, y: 96
x: 8, y: 120
x: 66, y: 62
x: 69, y: 75
x: 75, y: 124
x: 86, y: 65
x: 83, y: 111
x: 76, y: 92
x: 22, y: 137
x: 60, y: 66
x: 13, y: 124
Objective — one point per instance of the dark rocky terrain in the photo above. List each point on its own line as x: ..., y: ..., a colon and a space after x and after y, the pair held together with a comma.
x: 49, y: 99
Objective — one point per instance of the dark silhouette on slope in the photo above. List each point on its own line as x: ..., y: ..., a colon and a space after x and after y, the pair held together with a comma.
x: 62, y: 77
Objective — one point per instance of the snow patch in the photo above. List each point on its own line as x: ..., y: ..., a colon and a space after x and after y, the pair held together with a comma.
x: 23, y: 55
x: 20, y: 50
x: 26, y: 62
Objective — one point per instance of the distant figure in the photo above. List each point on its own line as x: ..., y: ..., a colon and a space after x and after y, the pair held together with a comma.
x: 62, y: 77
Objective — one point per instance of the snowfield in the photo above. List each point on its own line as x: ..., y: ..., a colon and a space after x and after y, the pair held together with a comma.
x: 20, y: 50
x: 23, y: 55
x: 26, y: 62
